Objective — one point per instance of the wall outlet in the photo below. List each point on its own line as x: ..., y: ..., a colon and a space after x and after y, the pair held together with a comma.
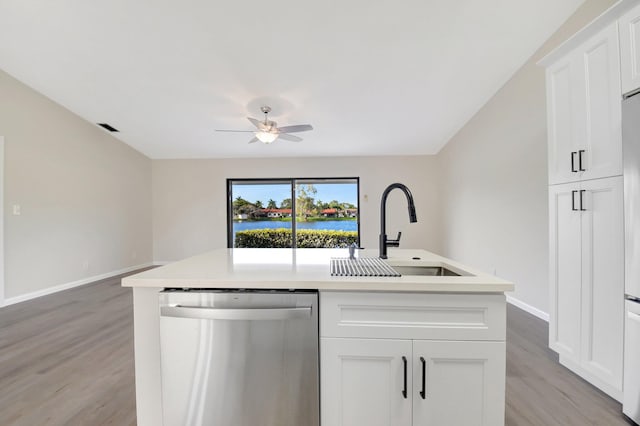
x: 134, y: 255
x: 16, y: 209
x: 85, y: 265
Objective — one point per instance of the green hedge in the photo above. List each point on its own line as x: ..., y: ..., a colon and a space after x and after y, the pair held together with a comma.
x: 276, y: 238
x: 307, y: 238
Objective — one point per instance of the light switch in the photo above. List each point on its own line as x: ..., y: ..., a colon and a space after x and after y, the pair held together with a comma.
x: 16, y: 209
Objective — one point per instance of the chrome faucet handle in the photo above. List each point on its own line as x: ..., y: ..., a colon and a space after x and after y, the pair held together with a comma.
x: 396, y: 242
x: 352, y: 251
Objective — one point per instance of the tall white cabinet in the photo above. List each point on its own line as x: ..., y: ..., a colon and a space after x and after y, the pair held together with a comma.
x: 586, y: 210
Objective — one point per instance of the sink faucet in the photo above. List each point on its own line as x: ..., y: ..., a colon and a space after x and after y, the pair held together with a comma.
x: 384, y: 241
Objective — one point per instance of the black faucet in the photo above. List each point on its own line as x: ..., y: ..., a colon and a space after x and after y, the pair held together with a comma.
x: 384, y: 242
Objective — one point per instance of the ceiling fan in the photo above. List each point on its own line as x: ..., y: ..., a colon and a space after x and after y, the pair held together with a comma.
x: 268, y: 131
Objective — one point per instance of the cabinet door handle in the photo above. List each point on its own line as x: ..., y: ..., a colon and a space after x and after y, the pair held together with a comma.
x: 573, y: 201
x: 404, y: 390
x: 582, y: 209
x: 573, y: 162
x: 580, y: 160
x: 423, y: 392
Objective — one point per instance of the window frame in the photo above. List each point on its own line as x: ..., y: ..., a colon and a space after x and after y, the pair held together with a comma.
x: 292, y: 182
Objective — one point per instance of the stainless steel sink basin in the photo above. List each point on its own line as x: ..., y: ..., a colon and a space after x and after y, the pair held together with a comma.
x: 425, y: 271
x: 376, y: 267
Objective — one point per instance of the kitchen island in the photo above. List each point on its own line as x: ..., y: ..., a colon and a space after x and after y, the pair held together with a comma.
x: 447, y: 332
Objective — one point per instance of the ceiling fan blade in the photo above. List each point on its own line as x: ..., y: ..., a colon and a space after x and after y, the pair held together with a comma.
x: 288, y: 137
x: 296, y: 128
x: 235, y: 131
x: 254, y: 140
x: 259, y: 124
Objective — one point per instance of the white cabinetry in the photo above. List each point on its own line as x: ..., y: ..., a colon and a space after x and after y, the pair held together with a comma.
x: 437, y: 359
x: 587, y: 282
x: 585, y: 205
x: 630, y: 50
x: 363, y: 382
x: 463, y: 383
x: 583, y: 109
x: 565, y: 265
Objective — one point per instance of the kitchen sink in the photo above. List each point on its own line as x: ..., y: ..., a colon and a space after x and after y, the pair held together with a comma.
x: 376, y: 267
x: 425, y: 271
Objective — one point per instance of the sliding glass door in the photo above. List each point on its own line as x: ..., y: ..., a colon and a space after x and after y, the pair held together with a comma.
x: 293, y: 212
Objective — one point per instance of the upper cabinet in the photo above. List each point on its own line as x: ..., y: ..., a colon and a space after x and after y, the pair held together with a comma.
x: 630, y: 50
x: 583, y: 107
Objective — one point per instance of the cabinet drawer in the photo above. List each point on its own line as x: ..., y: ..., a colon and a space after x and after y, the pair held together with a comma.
x: 413, y: 316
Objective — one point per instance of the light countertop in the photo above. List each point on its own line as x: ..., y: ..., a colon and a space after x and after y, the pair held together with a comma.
x: 309, y: 269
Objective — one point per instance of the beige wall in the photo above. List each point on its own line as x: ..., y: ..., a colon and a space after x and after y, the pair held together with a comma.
x: 494, y: 178
x: 189, y: 198
x: 85, y: 197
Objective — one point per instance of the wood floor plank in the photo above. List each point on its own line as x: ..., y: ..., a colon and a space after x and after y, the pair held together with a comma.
x: 540, y: 391
x: 67, y: 359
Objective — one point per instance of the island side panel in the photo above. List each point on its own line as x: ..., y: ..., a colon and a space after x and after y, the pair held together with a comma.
x: 146, y: 322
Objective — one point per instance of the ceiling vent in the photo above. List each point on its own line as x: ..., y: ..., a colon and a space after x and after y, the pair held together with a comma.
x: 108, y: 127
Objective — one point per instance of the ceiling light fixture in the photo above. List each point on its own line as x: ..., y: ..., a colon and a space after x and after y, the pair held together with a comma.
x: 266, y: 137
x: 267, y: 131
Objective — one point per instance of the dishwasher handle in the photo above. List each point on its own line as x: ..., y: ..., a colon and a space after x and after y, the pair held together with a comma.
x: 243, y: 314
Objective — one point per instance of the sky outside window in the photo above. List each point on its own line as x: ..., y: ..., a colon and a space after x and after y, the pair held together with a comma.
x: 342, y: 192
x: 262, y: 192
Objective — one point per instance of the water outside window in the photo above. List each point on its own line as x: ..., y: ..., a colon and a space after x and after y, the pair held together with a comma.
x: 261, y: 213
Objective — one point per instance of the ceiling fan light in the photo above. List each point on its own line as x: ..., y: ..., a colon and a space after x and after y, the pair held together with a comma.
x: 266, y: 137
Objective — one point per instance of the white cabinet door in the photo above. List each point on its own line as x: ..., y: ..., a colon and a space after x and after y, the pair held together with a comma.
x: 603, y: 280
x: 562, y: 116
x: 362, y: 382
x: 565, y: 270
x: 600, y: 139
x: 584, y: 111
x: 630, y: 50
x: 464, y: 383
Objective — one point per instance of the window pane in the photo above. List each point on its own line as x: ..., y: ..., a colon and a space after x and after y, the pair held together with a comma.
x: 261, y: 213
x: 326, y: 213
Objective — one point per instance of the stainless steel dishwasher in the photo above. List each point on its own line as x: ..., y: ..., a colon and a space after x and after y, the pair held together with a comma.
x: 239, y: 358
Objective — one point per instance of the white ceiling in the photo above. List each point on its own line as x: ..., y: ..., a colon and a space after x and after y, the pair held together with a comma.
x: 377, y: 77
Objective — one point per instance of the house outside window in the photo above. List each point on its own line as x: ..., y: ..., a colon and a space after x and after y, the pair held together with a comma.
x: 324, y: 212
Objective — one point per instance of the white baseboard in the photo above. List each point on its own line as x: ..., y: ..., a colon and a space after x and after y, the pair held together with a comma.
x: 528, y: 308
x: 162, y: 262
x: 66, y: 286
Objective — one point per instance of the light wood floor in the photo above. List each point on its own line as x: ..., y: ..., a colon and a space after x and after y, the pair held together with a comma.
x: 67, y: 359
